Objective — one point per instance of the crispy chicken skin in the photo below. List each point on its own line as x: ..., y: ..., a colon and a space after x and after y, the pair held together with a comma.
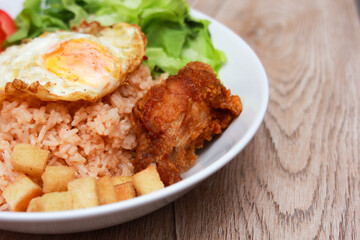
x: 175, y: 117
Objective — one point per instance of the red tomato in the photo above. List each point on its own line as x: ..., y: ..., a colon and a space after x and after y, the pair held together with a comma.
x: 7, y: 23
x: 2, y: 37
x: 7, y: 26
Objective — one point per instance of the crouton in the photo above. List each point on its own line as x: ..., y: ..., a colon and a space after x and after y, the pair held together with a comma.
x: 147, y: 180
x: 105, y: 190
x: 33, y: 205
x: 19, y: 193
x: 55, y: 201
x: 56, y: 178
x: 29, y: 159
x: 83, y: 192
x: 125, y: 191
x: 116, y: 180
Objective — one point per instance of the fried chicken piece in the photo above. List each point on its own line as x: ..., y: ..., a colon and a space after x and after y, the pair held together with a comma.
x: 175, y: 117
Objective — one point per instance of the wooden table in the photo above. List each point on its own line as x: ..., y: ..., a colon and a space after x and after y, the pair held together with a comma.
x: 299, y: 177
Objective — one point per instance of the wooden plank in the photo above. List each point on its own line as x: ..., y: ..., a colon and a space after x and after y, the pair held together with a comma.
x: 299, y: 177
x: 207, y: 212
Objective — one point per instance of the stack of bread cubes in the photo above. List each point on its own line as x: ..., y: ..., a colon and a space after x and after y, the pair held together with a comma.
x: 42, y: 188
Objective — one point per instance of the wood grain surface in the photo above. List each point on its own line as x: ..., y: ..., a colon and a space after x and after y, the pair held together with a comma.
x: 299, y: 177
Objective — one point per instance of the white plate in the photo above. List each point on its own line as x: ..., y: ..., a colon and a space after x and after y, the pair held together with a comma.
x: 243, y: 74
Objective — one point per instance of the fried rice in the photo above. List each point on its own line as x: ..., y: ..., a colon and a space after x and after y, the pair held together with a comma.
x: 96, y: 139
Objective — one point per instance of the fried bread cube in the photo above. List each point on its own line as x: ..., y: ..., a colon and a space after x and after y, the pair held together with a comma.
x: 83, y: 192
x: 29, y: 159
x: 56, y: 178
x: 105, y: 190
x: 147, y: 180
x: 49, y: 202
x: 20, y: 192
x: 116, y: 180
x: 125, y: 191
x: 33, y: 205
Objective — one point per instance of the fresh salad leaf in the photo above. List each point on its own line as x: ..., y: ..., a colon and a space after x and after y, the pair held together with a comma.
x: 174, y: 37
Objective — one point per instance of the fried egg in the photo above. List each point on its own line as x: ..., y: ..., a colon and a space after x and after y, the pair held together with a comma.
x: 72, y: 65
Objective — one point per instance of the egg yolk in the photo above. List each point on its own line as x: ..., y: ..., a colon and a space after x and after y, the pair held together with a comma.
x: 83, y: 61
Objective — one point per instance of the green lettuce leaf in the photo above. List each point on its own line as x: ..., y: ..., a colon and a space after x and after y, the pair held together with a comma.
x: 174, y: 37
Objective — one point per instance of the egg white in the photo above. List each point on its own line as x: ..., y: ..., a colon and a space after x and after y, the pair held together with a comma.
x: 25, y: 62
